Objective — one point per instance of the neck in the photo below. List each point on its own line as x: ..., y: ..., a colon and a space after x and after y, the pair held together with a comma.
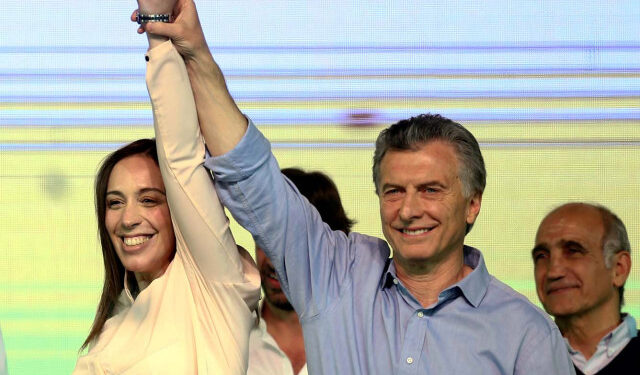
x: 585, y: 331
x: 272, y: 314
x: 426, y: 280
x: 284, y: 326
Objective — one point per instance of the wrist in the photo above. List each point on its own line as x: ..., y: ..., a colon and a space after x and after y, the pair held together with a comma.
x: 153, y: 17
x: 200, y: 61
x: 155, y: 40
x: 155, y: 8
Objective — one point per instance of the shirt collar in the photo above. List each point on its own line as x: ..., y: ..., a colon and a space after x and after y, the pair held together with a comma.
x: 624, y: 332
x: 473, y: 286
x: 130, y: 290
x: 619, y: 336
x: 630, y: 323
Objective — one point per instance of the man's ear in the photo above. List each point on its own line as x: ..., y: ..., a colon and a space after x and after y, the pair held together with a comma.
x: 621, y: 268
x: 473, y: 208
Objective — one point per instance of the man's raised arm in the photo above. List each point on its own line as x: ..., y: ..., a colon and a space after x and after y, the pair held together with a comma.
x: 221, y: 122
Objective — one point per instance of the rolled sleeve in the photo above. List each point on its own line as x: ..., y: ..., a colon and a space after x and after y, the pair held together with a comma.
x: 311, y: 260
x: 249, y: 155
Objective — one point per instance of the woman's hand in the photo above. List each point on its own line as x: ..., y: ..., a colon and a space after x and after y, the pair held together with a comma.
x: 185, y: 31
x: 156, y: 6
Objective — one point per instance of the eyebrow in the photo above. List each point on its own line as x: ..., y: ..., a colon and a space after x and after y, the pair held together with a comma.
x: 141, y: 191
x: 432, y: 183
x: 420, y: 185
x: 386, y: 186
x: 572, y: 242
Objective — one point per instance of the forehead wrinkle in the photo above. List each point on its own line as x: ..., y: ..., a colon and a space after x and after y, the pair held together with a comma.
x: 138, y: 192
x: 151, y: 189
x: 115, y: 192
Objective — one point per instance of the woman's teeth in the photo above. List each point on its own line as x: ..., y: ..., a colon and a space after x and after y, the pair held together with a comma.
x: 133, y: 241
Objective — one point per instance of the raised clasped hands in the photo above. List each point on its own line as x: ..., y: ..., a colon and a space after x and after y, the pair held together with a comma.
x: 185, y: 31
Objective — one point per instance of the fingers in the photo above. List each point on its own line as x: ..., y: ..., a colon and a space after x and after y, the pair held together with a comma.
x: 134, y: 18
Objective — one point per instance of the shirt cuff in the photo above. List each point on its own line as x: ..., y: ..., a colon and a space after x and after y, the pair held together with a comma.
x: 158, y: 51
x: 242, y: 161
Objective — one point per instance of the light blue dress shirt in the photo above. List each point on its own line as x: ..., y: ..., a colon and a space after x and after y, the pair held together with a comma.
x: 357, y: 317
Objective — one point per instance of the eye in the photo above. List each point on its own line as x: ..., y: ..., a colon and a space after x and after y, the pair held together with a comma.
x: 539, y: 255
x: 114, y: 203
x: 429, y: 189
x: 391, y: 192
x: 147, y: 201
x: 574, y: 250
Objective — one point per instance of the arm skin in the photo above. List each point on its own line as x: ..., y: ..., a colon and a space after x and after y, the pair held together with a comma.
x: 217, y: 111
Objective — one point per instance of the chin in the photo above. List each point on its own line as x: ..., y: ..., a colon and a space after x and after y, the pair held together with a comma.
x: 559, y: 311
x: 416, y: 254
x: 141, y: 267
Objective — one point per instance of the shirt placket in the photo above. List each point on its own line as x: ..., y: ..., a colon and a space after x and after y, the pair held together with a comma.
x: 415, y: 335
x: 416, y: 338
x: 413, y: 345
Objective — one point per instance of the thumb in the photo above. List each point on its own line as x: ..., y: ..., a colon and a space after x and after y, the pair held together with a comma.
x: 161, y: 28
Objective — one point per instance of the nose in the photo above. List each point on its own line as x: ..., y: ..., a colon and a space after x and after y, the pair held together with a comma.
x: 130, y: 217
x: 557, y: 268
x: 410, y: 208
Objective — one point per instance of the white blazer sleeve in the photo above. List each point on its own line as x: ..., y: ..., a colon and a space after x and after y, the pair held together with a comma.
x: 202, y: 231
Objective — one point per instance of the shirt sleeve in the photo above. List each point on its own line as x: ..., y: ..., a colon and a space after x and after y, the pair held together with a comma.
x: 313, y: 262
x: 3, y: 357
x: 545, y: 353
x: 203, y: 237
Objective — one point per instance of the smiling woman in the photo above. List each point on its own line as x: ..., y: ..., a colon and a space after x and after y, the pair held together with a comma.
x: 109, y: 197
x: 137, y: 217
x: 178, y: 293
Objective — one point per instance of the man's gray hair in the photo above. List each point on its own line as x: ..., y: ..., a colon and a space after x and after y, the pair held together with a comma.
x: 615, y: 239
x: 413, y: 133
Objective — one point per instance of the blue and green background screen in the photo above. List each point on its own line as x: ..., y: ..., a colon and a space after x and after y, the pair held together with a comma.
x: 551, y: 89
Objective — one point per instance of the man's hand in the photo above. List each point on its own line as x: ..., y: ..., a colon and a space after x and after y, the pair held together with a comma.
x: 221, y: 122
x: 185, y: 31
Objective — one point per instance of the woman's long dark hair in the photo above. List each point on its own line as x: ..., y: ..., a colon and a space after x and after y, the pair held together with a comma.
x: 113, y: 268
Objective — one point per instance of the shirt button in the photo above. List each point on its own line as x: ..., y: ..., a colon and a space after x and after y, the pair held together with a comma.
x: 420, y: 314
x: 409, y: 360
x: 395, y: 281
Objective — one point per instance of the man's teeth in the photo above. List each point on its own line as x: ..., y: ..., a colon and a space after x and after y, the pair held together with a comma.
x: 133, y: 241
x: 415, y: 232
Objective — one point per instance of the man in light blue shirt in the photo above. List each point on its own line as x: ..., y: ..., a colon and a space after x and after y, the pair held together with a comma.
x: 431, y: 309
